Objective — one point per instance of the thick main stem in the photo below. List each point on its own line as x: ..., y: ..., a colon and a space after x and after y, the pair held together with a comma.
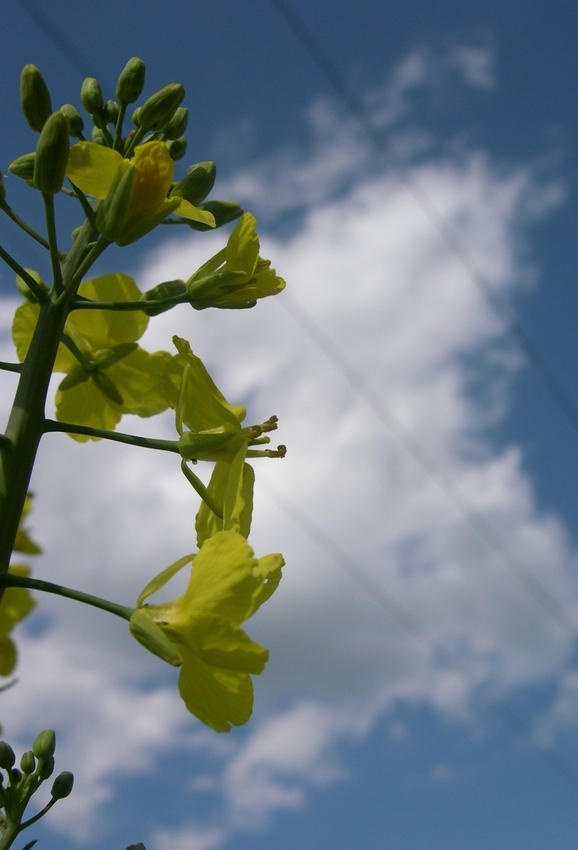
x: 26, y: 423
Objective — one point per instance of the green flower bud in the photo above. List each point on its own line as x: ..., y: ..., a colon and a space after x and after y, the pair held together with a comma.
x: 52, y: 154
x: 15, y: 777
x: 178, y: 124
x: 168, y: 289
x: 91, y: 95
x: 34, y: 97
x: 177, y: 148
x: 74, y: 118
x: 75, y: 232
x: 28, y: 762
x: 224, y: 212
x: 7, y: 757
x: 45, y: 744
x: 160, y: 107
x: 23, y: 166
x: 98, y: 136
x: 111, y: 111
x: 47, y: 768
x: 62, y: 785
x: 195, y: 187
x: 135, y: 115
x: 131, y: 80
x: 22, y: 286
x: 138, y: 846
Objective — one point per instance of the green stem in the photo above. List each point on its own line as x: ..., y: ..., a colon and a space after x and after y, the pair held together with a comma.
x: 89, y: 365
x: 52, y: 241
x: 40, y: 814
x: 10, y: 367
x: 198, y: 485
x: 26, y: 227
x: 39, y: 292
x: 9, y: 836
x: 99, y: 246
x: 118, y: 129
x: 26, y: 423
x: 50, y: 425
x: 102, y: 125
x: 12, y: 580
x: 81, y: 303
x: 131, y: 145
x: 84, y: 202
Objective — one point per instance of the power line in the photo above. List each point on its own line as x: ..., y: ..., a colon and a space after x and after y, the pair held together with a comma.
x: 431, y: 467
x: 58, y: 38
x: 446, y: 232
x: 388, y: 603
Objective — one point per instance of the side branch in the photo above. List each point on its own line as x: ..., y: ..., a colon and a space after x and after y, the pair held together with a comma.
x: 51, y: 425
x: 12, y: 580
x: 81, y: 303
x: 38, y: 291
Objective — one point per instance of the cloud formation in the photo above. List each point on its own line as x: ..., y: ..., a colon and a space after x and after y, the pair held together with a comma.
x: 361, y: 520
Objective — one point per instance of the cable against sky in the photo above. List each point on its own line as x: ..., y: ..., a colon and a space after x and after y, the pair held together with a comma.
x: 444, y: 229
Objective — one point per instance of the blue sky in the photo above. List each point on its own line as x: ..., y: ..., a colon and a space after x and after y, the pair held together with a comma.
x: 363, y: 734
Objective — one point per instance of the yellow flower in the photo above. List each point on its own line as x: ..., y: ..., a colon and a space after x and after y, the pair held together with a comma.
x: 237, y: 276
x: 226, y: 587
x: 133, y: 192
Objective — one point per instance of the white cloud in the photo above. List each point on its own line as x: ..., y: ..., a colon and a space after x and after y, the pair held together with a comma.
x: 367, y: 267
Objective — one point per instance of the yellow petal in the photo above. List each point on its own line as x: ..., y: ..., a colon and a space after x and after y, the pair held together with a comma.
x: 92, y: 167
x: 217, y: 697
x: 187, y: 210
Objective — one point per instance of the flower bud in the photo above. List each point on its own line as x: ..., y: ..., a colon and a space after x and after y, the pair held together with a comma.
x: 74, y: 118
x: 131, y: 80
x: 34, y: 97
x: 22, y: 286
x: 52, y: 154
x: 15, y: 777
x: 98, y: 136
x: 223, y: 211
x: 7, y: 757
x: 111, y: 111
x: 177, y: 148
x: 135, y: 115
x: 23, y: 166
x: 178, y: 124
x: 195, y: 187
x: 28, y: 762
x: 168, y: 289
x: 62, y: 785
x: 47, y: 768
x: 45, y: 744
x: 138, y: 846
x: 160, y: 107
x: 91, y: 95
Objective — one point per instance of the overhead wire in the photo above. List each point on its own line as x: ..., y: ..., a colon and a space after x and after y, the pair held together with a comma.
x: 387, y: 602
x: 57, y: 37
x: 446, y: 232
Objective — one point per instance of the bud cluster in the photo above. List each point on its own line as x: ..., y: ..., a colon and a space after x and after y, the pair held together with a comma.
x: 18, y: 785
